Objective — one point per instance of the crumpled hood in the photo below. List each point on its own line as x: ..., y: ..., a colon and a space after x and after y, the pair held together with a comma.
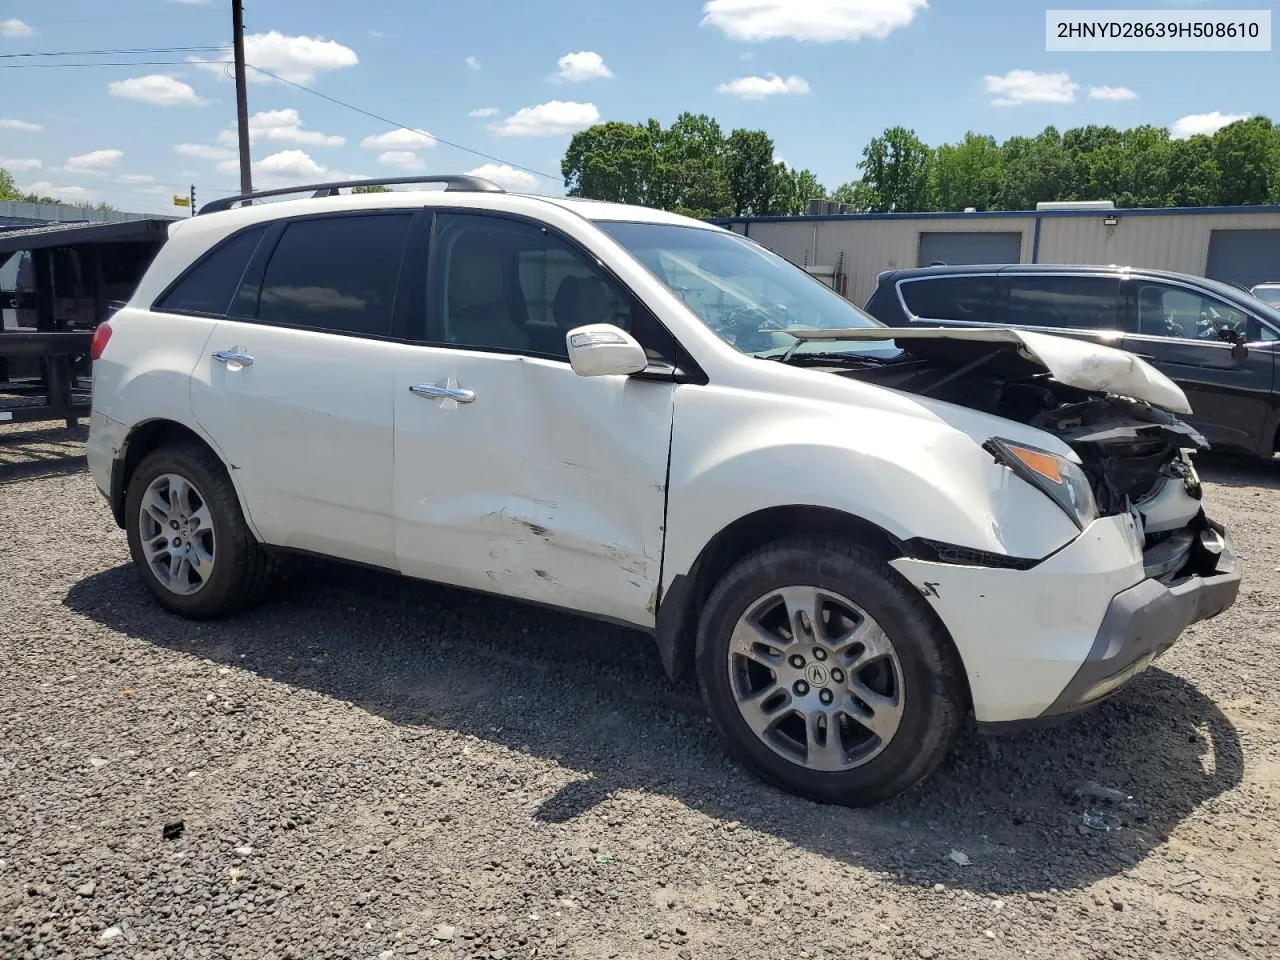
x: 1087, y: 366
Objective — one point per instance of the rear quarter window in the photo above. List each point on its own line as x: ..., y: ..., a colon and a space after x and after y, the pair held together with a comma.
x: 1065, y: 302
x: 975, y: 299
x: 208, y: 286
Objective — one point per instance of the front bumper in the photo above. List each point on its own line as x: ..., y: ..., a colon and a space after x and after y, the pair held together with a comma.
x: 1143, y: 622
x: 1044, y: 642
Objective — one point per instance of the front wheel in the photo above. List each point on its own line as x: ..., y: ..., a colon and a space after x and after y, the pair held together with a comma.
x: 827, y: 674
x: 187, y: 534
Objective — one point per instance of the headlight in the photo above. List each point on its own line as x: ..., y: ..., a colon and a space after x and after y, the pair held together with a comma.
x: 1060, y: 479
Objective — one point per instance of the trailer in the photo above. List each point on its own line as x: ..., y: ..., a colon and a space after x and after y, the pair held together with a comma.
x: 57, y: 283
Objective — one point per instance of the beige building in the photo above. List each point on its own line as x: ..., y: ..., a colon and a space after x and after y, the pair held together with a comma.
x: 1238, y: 244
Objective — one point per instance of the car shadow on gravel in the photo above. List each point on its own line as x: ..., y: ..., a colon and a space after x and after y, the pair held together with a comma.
x: 1235, y: 472
x: 999, y: 816
x: 38, y: 452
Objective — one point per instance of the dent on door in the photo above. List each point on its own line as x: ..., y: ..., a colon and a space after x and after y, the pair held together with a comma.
x: 556, y: 495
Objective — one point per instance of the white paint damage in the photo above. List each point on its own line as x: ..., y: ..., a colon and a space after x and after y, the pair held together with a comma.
x: 1088, y: 366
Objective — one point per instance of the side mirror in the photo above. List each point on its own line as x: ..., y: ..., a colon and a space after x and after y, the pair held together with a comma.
x: 603, y: 350
x: 1228, y: 335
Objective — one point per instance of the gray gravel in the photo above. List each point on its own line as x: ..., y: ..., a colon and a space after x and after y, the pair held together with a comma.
x: 368, y: 767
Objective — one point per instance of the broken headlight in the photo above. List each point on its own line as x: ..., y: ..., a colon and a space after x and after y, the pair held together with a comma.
x: 1063, y: 481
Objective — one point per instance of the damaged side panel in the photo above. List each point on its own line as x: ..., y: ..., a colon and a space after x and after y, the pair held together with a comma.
x: 548, y: 487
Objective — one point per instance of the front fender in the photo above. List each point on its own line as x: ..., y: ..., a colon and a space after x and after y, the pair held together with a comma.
x: 910, y: 475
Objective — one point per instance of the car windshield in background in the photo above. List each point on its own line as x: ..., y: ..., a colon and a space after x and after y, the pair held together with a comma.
x: 746, y: 294
x: 1269, y: 294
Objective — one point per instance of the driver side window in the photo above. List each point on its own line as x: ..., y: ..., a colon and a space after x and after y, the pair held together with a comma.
x: 507, y: 285
x: 1166, y: 311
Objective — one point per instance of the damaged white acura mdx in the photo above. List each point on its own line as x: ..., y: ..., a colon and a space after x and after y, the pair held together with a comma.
x: 853, y: 535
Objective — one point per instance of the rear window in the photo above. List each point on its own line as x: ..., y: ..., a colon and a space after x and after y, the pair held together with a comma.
x: 208, y: 287
x: 337, y: 274
x: 1074, y: 303
x: 964, y: 299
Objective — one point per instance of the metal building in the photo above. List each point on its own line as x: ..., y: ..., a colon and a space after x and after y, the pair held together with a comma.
x: 1238, y: 244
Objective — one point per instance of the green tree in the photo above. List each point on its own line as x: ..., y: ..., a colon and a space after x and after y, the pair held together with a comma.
x: 895, y: 169
x: 8, y: 188
x: 750, y: 172
x: 1248, y: 158
x: 1035, y: 169
x: 612, y: 161
x: 966, y: 174
x: 691, y: 156
x: 371, y: 188
x: 1194, y: 177
x: 854, y: 194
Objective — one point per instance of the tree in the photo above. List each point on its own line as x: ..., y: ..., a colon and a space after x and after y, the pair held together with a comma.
x: 1194, y: 177
x: 612, y: 161
x: 966, y: 174
x: 749, y: 169
x: 1034, y: 169
x: 855, y: 194
x: 895, y: 169
x: 691, y: 158
x: 1248, y: 159
x: 371, y: 188
x: 793, y: 190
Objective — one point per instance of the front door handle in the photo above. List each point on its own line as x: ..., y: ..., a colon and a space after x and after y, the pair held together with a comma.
x: 234, y: 356
x: 434, y: 391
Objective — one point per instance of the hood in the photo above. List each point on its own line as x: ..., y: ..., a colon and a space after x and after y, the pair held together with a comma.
x: 1076, y: 363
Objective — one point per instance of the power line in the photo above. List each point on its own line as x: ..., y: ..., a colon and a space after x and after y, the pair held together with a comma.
x: 121, y: 52
x: 393, y: 123
x: 108, y: 63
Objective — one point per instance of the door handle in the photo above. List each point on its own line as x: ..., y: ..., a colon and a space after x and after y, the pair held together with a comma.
x: 434, y: 391
x: 233, y: 356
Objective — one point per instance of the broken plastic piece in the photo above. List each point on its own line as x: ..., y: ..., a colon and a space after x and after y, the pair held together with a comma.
x: 172, y: 831
x: 1098, y: 792
x: 604, y: 858
x: 1100, y: 820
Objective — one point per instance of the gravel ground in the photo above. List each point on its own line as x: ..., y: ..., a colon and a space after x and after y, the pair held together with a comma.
x: 368, y: 767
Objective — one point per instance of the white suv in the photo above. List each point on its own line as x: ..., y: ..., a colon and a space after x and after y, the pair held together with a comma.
x: 854, y: 535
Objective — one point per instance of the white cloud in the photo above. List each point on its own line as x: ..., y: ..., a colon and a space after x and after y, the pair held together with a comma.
x: 203, y: 151
x: 286, y: 165
x: 404, y: 159
x: 158, y: 89
x: 402, y: 139
x: 473, y: 63
x: 1026, y: 86
x: 822, y: 20
x: 281, y: 125
x: 758, y: 88
x: 377, y: 34
x: 47, y: 189
x: 8, y: 124
x: 553, y: 118
x: 1206, y: 123
x: 297, y: 59
x: 484, y: 112
x: 583, y: 65
x: 20, y: 163
x: 1111, y: 93
x: 12, y: 28
x: 95, y: 161
x: 136, y: 178
x: 506, y: 176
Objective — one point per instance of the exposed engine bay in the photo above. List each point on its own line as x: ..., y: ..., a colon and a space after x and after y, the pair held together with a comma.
x: 1137, y: 457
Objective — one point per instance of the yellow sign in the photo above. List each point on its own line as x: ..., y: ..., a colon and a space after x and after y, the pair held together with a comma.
x: 181, y: 201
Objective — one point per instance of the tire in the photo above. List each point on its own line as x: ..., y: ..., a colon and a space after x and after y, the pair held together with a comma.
x: 216, y: 537
x: 921, y: 671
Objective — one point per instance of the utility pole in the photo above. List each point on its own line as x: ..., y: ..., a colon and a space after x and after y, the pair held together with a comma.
x: 242, y: 98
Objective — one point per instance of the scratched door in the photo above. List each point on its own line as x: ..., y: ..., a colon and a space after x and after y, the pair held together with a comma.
x: 545, y: 486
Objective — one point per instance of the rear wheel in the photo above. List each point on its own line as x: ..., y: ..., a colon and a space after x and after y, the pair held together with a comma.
x: 187, y: 534
x: 827, y: 674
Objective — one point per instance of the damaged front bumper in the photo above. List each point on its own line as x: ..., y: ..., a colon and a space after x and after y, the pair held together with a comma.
x: 1044, y: 642
x: 1144, y: 621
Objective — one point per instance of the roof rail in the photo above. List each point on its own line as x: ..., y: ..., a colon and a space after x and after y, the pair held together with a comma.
x: 452, y: 181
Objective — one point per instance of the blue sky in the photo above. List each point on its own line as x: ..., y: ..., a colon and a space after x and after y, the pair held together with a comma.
x: 821, y: 76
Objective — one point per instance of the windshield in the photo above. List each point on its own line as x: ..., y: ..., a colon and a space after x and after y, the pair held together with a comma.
x: 746, y: 294
x: 1269, y: 294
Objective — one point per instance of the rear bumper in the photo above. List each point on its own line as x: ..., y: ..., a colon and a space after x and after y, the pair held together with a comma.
x: 1143, y: 622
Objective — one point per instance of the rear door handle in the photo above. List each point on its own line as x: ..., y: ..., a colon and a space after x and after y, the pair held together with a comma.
x: 234, y: 356
x: 434, y: 391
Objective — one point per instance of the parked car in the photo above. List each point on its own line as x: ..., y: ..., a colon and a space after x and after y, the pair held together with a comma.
x: 1214, y: 340
x: 632, y: 415
x: 1268, y: 293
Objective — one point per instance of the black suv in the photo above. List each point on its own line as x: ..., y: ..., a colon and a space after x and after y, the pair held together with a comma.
x: 1216, y: 341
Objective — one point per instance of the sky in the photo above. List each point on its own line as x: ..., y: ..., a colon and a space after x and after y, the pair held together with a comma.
x: 499, y: 86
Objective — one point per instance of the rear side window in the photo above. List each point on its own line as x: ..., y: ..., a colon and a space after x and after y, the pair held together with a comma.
x: 1077, y: 303
x: 337, y: 274
x: 209, y: 286
x: 966, y: 299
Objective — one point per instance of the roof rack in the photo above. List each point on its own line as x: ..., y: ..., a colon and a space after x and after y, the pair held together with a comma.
x: 452, y: 182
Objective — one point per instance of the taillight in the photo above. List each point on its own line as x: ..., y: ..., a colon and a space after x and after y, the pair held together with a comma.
x: 101, y: 334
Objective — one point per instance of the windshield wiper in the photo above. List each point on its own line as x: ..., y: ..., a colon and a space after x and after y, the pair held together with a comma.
x: 853, y: 358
